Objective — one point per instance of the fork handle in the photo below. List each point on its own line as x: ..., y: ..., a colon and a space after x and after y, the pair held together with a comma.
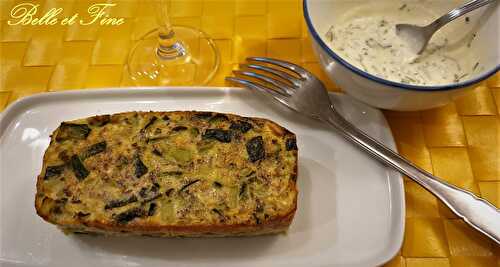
x: 458, y: 12
x: 475, y: 211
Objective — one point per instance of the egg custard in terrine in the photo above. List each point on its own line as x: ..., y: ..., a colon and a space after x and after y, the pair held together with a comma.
x: 169, y: 174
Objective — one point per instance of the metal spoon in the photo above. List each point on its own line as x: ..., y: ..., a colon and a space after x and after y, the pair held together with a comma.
x: 418, y: 36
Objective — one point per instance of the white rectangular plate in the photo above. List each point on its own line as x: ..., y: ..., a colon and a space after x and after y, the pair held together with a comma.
x: 350, y: 208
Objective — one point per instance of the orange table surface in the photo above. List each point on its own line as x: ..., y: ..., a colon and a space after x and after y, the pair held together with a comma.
x: 458, y: 142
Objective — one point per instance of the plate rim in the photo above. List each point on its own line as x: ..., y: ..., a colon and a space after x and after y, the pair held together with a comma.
x: 396, y: 182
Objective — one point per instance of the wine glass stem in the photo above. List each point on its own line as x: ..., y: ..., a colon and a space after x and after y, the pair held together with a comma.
x: 169, y: 48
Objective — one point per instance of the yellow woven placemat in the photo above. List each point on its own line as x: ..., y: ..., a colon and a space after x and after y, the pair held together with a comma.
x: 458, y: 142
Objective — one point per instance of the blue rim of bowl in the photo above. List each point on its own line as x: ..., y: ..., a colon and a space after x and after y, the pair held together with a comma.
x: 371, y: 77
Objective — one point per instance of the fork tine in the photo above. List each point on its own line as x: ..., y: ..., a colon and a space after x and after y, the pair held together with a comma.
x: 283, y: 75
x: 279, y: 85
x: 260, y: 88
x: 287, y: 65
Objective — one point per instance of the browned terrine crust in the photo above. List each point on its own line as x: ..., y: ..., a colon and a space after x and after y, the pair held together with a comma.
x: 181, y: 173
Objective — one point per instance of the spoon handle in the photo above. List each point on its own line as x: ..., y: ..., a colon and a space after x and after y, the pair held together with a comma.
x: 475, y: 211
x: 458, y: 12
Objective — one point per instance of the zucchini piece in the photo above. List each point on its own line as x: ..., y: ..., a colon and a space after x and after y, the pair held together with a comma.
x: 152, y: 209
x: 246, y: 172
x: 150, y: 194
x: 156, y: 138
x: 220, y: 135
x: 291, y: 144
x: 151, y: 122
x: 169, y: 192
x: 194, y: 131
x: 241, y: 126
x: 78, y: 168
x: 63, y: 155
x: 218, y: 118
x: 184, y: 187
x: 129, y: 215
x: 255, y: 149
x: 179, y: 128
x: 181, y: 155
x: 140, y: 168
x: 204, y: 146
x: 157, y: 152
x: 120, y: 202
x: 52, y: 171
x: 72, y: 131
x: 243, y: 189
x: 94, y: 150
x: 81, y: 214
x: 202, y: 115
x: 220, y: 213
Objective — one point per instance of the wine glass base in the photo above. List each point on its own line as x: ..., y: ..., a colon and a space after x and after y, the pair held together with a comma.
x: 197, y: 67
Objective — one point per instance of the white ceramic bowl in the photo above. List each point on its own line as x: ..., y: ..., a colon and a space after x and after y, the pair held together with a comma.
x: 381, y: 93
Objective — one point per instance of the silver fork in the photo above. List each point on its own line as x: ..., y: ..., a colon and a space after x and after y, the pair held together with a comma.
x: 301, y: 91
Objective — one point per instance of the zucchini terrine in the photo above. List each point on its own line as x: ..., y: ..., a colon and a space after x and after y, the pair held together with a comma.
x: 181, y: 173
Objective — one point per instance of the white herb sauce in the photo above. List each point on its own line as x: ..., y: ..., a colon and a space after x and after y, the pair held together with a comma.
x: 370, y: 43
